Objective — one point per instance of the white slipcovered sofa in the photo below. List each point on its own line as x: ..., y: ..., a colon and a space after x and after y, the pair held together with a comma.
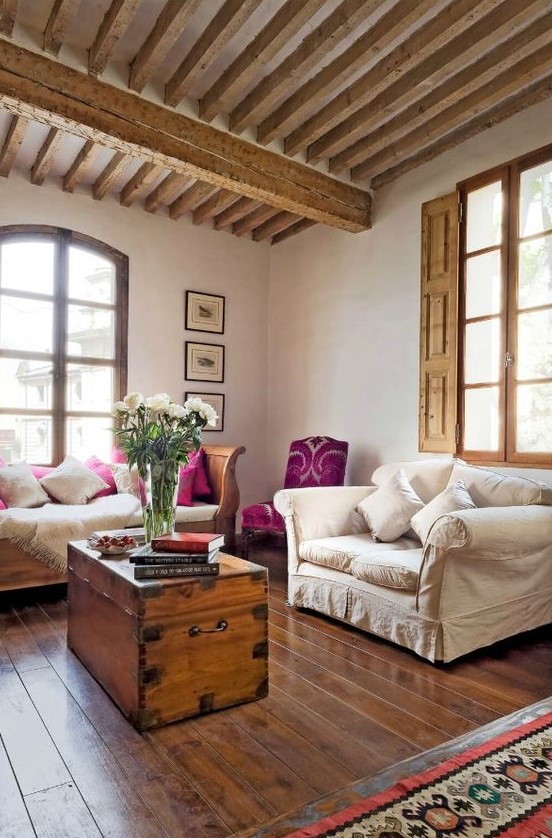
x: 482, y: 573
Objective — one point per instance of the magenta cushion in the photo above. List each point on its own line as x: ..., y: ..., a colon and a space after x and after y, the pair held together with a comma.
x: 186, y: 486
x: 118, y: 456
x: 102, y: 470
x: 2, y: 504
x: 262, y: 516
x: 201, y: 481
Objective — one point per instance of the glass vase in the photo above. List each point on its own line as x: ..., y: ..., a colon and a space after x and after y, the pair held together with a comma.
x: 161, y: 494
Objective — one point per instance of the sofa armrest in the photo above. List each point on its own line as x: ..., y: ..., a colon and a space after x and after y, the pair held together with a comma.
x: 319, y: 513
x: 494, y: 533
x: 221, y: 471
x: 476, y: 559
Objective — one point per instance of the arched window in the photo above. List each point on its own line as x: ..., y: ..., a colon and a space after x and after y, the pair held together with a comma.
x: 63, y: 343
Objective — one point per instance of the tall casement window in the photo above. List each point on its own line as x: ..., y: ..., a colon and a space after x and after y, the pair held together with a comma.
x: 492, y: 399
x: 63, y: 333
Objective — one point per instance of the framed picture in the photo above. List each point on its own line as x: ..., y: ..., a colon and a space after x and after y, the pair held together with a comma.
x: 204, y: 312
x: 216, y: 400
x: 204, y: 361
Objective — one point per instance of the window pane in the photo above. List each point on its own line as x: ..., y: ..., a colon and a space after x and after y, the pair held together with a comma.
x: 535, y: 272
x: 87, y: 436
x: 26, y: 324
x: 481, y: 424
x: 534, y: 349
x: 27, y: 266
x: 90, y: 332
x: 482, y: 352
x: 89, y: 388
x: 535, y: 200
x: 91, y: 277
x: 484, y: 221
x: 534, y: 409
x: 26, y: 438
x: 26, y: 383
x: 483, y: 295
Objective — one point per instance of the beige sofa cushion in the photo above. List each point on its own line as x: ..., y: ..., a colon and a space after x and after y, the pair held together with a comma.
x: 488, y: 488
x: 20, y: 488
x: 427, y: 477
x: 388, y: 510
x: 338, y: 552
x: 72, y: 482
x: 451, y: 499
x: 392, y: 569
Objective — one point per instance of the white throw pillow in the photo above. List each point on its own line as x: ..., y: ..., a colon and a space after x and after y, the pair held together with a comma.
x: 451, y: 499
x: 19, y: 487
x: 388, y: 510
x: 127, y: 480
x: 72, y: 482
x: 427, y: 477
x: 488, y: 488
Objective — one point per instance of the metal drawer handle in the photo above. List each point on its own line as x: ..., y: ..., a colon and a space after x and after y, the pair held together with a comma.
x: 195, y: 630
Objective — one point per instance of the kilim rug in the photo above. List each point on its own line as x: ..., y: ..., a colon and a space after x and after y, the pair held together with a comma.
x: 502, y: 787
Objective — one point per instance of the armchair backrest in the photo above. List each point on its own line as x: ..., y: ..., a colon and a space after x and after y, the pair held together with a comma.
x: 316, y: 461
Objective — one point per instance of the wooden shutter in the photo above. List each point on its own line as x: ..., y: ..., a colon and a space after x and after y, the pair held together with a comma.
x: 439, y: 325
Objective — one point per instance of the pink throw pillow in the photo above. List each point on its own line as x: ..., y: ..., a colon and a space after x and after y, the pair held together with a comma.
x: 201, y: 481
x: 118, y: 456
x: 41, y: 471
x: 186, y: 486
x: 2, y: 504
x: 102, y: 470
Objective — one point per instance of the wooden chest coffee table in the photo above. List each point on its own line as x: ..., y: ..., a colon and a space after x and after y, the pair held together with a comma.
x: 172, y: 648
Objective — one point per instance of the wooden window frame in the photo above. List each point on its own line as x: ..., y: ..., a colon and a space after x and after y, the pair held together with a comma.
x: 63, y: 239
x: 509, y: 174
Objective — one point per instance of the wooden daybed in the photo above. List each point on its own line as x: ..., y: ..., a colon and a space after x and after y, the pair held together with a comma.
x: 19, y: 569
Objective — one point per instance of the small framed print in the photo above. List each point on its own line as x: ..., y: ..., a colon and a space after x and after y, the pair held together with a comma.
x: 204, y: 312
x: 216, y: 400
x: 204, y: 361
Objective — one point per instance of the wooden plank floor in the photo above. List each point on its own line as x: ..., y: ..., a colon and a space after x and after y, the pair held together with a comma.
x: 342, y: 706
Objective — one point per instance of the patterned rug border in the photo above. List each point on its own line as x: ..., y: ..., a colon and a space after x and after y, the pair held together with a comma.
x: 456, y: 753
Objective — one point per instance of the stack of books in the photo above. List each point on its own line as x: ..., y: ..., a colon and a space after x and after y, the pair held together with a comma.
x: 178, y: 554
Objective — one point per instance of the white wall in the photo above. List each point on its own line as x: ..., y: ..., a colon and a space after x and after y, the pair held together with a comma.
x: 165, y: 259
x: 344, y: 313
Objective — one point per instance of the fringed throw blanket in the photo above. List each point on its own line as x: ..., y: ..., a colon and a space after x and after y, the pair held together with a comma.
x: 45, y: 532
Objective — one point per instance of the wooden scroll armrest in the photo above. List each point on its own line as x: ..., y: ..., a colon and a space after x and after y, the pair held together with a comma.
x: 221, y: 471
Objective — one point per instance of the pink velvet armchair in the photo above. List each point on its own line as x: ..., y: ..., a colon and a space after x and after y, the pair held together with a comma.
x: 313, y: 461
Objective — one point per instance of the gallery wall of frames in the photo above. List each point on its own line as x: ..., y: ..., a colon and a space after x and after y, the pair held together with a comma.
x: 204, y: 362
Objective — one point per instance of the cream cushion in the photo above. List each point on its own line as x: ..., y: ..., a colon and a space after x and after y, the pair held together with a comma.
x: 451, y: 499
x: 394, y: 569
x: 488, y: 488
x: 19, y: 487
x: 72, y: 482
x: 339, y: 552
x: 388, y: 510
x: 427, y: 477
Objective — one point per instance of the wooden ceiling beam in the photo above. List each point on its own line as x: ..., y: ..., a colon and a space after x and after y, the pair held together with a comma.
x: 318, y: 43
x: 169, y: 26
x: 35, y: 86
x: 112, y: 27
x: 369, y: 46
x: 214, y: 205
x: 12, y: 144
x: 228, y: 20
x: 249, y: 64
x: 274, y: 225
x: 296, y: 228
x: 45, y: 156
x: 242, y: 207
x: 481, y: 71
x: 106, y: 180
x: 61, y: 17
x: 8, y: 13
x: 80, y: 165
x: 253, y: 219
x: 165, y: 193
x: 190, y: 199
x: 534, y: 94
x: 532, y: 69
x: 139, y: 182
x: 380, y: 93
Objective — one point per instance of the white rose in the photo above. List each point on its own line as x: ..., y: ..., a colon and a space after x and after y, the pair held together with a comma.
x: 159, y: 403
x: 193, y: 405
x: 206, y: 411
x: 176, y: 411
x: 119, y: 407
x: 134, y: 400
